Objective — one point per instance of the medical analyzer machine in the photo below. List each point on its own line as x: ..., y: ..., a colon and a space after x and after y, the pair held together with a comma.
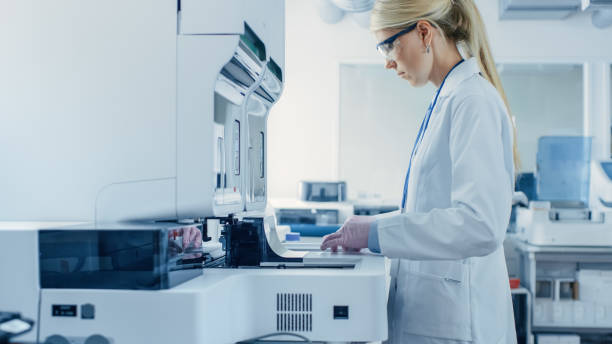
x: 145, y: 122
x: 563, y: 243
x: 571, y: 208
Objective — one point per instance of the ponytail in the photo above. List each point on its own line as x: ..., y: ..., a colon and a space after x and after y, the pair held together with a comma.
x: 470, y: 23
x: 459, y: 21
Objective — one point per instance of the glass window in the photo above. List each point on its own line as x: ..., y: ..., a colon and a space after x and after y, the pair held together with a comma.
x: 545, y: 99
x: 380, y: 115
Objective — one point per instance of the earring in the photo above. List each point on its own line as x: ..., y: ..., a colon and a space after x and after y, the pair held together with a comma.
x: 427, y: 50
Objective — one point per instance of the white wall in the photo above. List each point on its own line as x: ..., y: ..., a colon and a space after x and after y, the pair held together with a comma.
x: 545, y: 100
x: 303, y: 126
x: 379, y: 119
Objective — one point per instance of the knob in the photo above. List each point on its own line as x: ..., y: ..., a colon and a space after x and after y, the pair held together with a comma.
x: 96, y: 339
x: 56, y: 339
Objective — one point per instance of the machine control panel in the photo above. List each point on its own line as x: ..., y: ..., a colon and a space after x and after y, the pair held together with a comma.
x: 64, y: 310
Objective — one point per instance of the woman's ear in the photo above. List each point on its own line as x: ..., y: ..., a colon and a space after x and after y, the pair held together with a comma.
x: 425, y: 32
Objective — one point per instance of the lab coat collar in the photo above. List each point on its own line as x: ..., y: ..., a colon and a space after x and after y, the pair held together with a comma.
x: 462, y: 72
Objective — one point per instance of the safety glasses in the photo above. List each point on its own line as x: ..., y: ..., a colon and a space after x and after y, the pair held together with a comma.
x: 385, y: 48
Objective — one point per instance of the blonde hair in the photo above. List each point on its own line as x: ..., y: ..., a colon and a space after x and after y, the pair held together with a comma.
x: 459, y: 21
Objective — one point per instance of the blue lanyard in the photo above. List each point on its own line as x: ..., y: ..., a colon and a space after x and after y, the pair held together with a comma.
x: 421, y: 133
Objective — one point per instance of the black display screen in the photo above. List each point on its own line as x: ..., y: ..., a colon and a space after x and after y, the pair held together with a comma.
x: 64, y: 310
x: 275, y: 69
x: 254, y: 43
x: 146, y: 258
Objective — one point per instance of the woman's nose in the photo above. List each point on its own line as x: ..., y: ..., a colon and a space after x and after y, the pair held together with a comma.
x: 390, y: 64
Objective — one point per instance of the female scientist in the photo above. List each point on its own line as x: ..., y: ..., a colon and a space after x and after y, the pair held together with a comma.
x: 449, y: 279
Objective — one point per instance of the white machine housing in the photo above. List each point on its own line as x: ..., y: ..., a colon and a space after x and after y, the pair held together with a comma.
x: 542, y: 225
x: 231, y: 305
x: 344, y: 209
x: 117, y: 103
x: 220, y: 306
x: 127, y: 111
x: 20, y: 286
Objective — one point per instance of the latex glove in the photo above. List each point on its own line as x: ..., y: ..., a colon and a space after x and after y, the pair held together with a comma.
x: 192, y: 237
x: 191, y: 240
x: 353, y: 236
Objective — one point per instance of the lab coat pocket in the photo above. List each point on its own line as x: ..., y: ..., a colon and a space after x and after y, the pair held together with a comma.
x: 435, y: 299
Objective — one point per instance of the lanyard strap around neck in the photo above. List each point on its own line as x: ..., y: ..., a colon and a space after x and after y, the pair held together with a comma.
x: 421, y: 133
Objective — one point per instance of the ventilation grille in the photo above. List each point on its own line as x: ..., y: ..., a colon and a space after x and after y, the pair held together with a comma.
x: 293, y: 312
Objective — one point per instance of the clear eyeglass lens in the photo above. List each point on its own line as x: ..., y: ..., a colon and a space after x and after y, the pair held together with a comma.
x: 385, y: 49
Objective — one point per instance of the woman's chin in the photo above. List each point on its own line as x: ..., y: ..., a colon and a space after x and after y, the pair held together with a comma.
x: 415, y: 82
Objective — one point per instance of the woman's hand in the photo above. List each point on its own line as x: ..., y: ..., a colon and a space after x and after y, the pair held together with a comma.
x: 353, y: 236
x: 190, y: 240
x: 192, y: 237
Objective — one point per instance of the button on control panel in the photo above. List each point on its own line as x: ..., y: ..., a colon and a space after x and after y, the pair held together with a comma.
x: 341, y: 312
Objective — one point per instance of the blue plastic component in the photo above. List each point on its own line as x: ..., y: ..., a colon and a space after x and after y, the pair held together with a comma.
x: 526, y: 183
x: 292, y: 236
x: 563, y: 168
x: 607, y: 167
x: 314, y: 230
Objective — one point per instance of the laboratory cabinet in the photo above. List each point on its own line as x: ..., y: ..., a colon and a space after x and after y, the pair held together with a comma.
x: 570, y: 288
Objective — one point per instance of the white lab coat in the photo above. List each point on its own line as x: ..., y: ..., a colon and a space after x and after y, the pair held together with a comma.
x: 449, y: 278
